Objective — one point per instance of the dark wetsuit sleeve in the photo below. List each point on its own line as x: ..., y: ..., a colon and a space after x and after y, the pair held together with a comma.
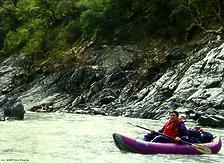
x: 183, y: 130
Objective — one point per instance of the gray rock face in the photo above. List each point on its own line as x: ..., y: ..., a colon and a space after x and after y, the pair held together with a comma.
x: 199, y: 89
x: 12, y: 108
x: 109, y: 87
x: 10, y: 105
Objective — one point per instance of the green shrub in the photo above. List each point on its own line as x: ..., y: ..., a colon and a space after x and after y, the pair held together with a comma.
x: 34, y: 44
x: 16, y: 39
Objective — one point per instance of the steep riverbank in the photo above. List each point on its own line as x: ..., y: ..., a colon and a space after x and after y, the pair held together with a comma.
x: 112, y: 84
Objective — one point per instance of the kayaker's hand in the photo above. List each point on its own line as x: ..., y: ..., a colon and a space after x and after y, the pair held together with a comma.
x: 177, y: 139
x: 152, y: 131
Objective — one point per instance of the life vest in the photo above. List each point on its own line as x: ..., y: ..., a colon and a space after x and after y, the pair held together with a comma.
x: 171, y: 128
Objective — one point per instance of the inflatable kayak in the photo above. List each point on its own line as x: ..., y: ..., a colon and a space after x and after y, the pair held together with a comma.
x: 128, y: 144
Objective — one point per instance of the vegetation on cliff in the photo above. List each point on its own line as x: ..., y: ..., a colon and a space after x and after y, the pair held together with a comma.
x: 60, y: 30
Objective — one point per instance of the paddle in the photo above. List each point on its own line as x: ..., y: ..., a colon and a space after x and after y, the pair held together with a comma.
x: 201, y: 148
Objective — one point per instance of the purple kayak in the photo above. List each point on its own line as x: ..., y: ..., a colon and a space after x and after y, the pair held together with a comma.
x: 128, y: 144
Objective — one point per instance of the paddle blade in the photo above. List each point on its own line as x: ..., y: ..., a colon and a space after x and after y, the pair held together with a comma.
x: 202, y: 148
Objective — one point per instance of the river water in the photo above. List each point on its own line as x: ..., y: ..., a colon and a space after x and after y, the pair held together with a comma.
x: 68, y: 138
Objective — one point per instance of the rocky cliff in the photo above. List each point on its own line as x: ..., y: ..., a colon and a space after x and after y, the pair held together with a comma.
x: 108, y: 86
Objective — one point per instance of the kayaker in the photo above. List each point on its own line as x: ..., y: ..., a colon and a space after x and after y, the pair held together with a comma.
x: 198, y: 135
x: 173, y: 127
